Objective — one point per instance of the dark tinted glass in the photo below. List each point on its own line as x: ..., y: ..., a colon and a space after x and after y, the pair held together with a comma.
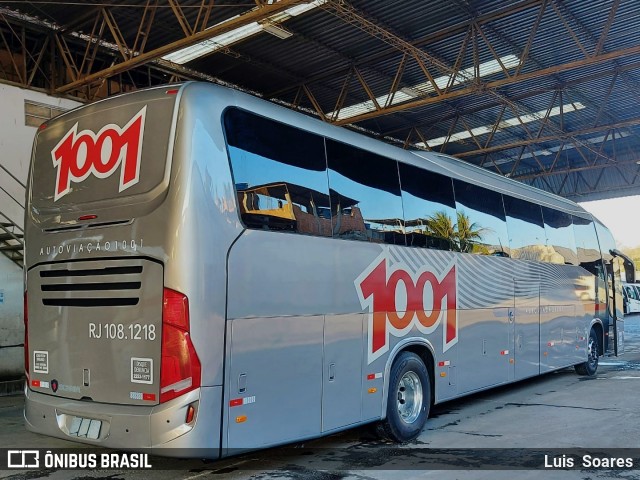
x: 561, y: 243
x: 279, y: 173
x: 613, y: 270
x: 587, y: 245
x: 365, y: 195
x: 481, y: 224
x: 592, y: 287
x: 429, y: 209
x: 526, y: 230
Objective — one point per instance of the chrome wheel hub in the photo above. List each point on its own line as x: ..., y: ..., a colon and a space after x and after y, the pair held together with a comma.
x: 592, y: 352
x: 409, y: 397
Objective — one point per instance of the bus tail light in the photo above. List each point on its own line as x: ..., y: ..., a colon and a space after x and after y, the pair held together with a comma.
x: 26, y: 338
x: 180, y: 366
x: 191, y: 414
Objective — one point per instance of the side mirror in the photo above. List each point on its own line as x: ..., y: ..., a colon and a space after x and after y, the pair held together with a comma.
x: 629, y: 266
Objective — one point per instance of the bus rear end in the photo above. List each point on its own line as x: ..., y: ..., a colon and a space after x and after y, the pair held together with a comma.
x: 109, y: 351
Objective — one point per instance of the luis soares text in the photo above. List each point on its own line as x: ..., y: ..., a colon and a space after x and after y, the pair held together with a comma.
x: 587, y: 461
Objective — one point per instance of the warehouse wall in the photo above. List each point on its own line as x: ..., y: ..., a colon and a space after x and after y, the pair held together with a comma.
x: 11, y: 323
x: 16, y: 139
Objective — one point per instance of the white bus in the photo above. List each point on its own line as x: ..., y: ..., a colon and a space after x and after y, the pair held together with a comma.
x: 207, y: 270
x: 631, y: 294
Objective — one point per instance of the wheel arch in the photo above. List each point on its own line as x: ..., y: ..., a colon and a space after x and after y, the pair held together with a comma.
x: 421, y: 347
x: 596, y: 325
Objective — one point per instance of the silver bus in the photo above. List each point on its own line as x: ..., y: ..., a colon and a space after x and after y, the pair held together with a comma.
x: 205, y: 269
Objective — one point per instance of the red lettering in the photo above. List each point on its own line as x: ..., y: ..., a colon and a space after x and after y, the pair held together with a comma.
x: 80, y: 154
x: 379, y: 295
x: 132, y: 142
x: 62, y: 155
x: 112, y: 153
x: 428, y: 320
x: 376, y: 285
x: 397, y: 321
x: 448, y: 289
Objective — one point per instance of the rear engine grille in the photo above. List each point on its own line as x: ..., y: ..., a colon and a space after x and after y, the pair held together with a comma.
x: 91, y: 271
x: 66, y: 286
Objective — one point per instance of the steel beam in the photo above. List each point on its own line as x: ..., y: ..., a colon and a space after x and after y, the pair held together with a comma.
x: 251, y: 16
x: 498, y: 14
x: 625, y: 163
x: 494, y: 85
x: 550, y: 138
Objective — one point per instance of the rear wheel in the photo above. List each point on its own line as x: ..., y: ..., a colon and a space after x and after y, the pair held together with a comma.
x: 409, y: 398
x: 590, y: 367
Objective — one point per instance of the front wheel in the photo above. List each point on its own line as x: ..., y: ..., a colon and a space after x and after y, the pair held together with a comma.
x: 409, y: 398
x: 590, y: 367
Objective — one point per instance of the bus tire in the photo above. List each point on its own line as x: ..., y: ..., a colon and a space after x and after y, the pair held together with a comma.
x: 409, y: 398
x: 590, y: 367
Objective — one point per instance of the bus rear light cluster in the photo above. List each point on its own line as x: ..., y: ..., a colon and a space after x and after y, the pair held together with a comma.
x: 191, y: 414
x: 180, y: 366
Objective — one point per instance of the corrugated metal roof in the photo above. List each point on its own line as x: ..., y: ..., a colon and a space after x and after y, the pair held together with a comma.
x: 328, y: 46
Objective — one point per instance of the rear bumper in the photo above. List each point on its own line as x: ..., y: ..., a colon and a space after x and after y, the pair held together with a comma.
x: 161, y: 427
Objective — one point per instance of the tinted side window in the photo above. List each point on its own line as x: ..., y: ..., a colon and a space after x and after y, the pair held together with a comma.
x: 560, y: 240
x: 612, y: 266
x: 429, y: 208
x: 526, y: 230
x: 481, y: 224
x: 279, y: 173
x: 365, y: 195
x: 631, y: 293
x: 592, y: 287
x: 587, y: 245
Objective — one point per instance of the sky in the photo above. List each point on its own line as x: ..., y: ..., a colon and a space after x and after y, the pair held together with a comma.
x: 621, y: 216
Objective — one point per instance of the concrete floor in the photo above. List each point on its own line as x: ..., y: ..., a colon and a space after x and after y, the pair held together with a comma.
x: 528, y: 420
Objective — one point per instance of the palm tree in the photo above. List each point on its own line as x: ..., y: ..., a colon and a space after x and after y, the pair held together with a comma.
x: 441, y: 225
x: 461, y: 236
x: 467, y: 233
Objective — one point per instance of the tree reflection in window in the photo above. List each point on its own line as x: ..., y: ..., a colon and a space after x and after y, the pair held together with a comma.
x: 461, y: 235
x: 429, y: 208
x: 484, y: 230
x: 365, y: 195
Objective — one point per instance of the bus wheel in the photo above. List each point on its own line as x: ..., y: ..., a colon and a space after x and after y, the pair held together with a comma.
x: 409, y: 398
x: 591, y: 365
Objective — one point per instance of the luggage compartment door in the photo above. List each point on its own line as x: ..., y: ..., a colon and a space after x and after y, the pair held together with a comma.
x: 342, y: 372
x: 275, y: 381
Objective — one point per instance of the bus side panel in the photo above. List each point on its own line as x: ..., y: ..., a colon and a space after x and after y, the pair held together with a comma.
x: 274, y: 275
x: 527, y: 325
x: 342, y: 370
x: 484, y: 358
x: 564, y: 327
x: 293, y: 297
x: 275, y: 382
x: 289, y: 274
x: 559, y: 333
x: 498, y: 337
x: 202, y: 223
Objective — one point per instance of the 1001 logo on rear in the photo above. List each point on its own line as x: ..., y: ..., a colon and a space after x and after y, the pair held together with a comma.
x: 81, y: 154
